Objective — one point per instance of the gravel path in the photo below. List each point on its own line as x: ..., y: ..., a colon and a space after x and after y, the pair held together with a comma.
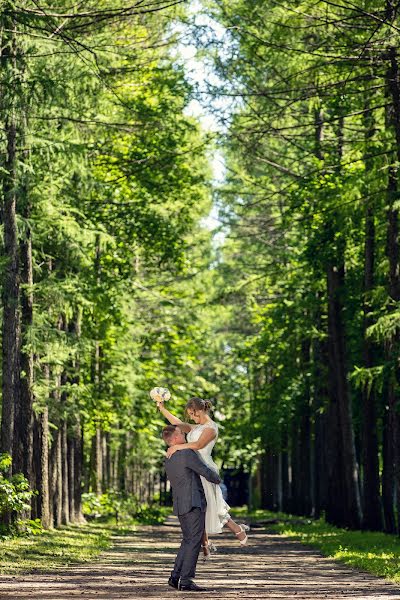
x: 138, y: 566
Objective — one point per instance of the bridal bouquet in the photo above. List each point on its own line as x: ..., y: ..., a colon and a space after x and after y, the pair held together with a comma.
x: 160, y: 394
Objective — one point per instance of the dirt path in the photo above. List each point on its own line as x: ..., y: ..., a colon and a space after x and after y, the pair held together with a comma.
x: 138, y: 567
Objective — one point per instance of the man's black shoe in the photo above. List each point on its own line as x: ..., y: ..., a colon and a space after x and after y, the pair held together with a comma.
x: 173, y: 582
x: 191, y: 587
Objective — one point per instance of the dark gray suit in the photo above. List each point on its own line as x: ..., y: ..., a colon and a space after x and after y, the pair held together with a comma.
x: 183, y: 470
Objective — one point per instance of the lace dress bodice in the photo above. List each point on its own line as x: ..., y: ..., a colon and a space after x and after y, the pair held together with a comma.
x: 217, y: 513
x: 205, y: 453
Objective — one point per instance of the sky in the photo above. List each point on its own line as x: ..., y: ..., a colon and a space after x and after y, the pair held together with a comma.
x: 199, y: 73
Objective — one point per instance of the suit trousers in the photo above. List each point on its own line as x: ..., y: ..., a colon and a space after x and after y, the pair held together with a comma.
x: 192, y: 525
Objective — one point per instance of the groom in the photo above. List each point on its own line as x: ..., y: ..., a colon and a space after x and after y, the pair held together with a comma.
x: 183, y: 470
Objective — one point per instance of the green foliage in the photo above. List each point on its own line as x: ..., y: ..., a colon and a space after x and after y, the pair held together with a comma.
x: 29, y: 527
x: 130, y: 288
x: 368, y: 378
x: 15, y: 496
x: 116, y: 177
x: 307, y: 156
x: 151, y: 514
x: 123, y: 508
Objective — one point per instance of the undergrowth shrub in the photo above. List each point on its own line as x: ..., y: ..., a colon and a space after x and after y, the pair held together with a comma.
x: 121, y: 507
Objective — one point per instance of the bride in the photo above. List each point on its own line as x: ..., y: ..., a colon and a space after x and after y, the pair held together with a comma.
x: 202, y: 437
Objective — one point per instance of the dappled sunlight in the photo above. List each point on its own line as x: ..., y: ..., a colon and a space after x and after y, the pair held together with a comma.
x: 375, y: 552
x: 51, y: 549
x: 138, y: 565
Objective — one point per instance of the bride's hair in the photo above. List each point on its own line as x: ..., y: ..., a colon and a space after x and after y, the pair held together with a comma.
x: 196, y: 404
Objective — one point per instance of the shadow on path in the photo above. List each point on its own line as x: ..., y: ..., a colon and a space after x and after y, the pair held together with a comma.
x: 138, y: 566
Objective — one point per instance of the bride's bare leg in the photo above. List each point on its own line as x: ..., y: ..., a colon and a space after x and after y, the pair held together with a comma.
x: 236, y: 529
x: 204, y: 544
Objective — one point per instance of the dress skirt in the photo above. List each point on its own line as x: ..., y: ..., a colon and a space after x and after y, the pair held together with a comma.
x: 217, y: 513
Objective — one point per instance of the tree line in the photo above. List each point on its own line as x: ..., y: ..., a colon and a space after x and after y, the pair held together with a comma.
x: 310, y: 207
x: 111, y: 283
x: 103, y: 187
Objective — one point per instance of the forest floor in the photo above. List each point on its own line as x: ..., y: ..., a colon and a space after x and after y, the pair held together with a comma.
x: 138, y: 565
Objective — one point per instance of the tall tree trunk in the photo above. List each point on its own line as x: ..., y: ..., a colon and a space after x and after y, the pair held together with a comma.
x: 389, y: 462
x: 106, y: 460
x: 351, y: 505
x: 319, y: 354
x: 23, y: 428
x: 96, y: 463
x: 55, y: 462
x: 296, y: 468
x: 305, y: 434
x: 128, y: 470
x: 10, y: 287
x: 391, y: 459
x: 99, y: 462
x: 56, y: 479
x: 279, y: 482
x: 76, y: 457
x: 372, y: 512
x: 286, y: 495
x: 305, y: 454
x: 319, y: 351
x: 269, y: 480
x: 114, y: 471
x: 78, y: 463
x: 97, y: 449
x: 347, y: 466
x: 335, y: 503
x: 41, y: 503
x: 43, y: 478
x: 64, y: 469
x: 391, y: 454
x: 319, y: 464
x: 372, y: 509
x: 262, y: 479
x: 59, y: 483
x: 71, y: 477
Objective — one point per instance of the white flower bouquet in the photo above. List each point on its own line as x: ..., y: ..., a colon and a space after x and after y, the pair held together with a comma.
x: 160, y: 394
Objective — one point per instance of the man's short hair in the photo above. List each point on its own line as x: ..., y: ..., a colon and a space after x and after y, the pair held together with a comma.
x: 168, y: 432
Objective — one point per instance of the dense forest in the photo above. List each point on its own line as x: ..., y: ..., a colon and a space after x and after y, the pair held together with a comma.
x: 287, y: 315
x: 103, y: 187
x: 311, y: 202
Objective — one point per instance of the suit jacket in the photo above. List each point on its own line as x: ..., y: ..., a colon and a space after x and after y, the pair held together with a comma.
x: 183, y: 470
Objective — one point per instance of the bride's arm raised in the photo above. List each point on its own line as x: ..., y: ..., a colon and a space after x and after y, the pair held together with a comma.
x: 208, y: 434
x: 185, y: 427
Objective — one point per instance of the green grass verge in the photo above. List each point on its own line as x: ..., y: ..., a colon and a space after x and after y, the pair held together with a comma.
x: 55, y: 548
x: 374, y: 552
x: 70, y: 544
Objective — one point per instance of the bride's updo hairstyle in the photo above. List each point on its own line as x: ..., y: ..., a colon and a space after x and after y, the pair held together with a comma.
x: 195, y: 404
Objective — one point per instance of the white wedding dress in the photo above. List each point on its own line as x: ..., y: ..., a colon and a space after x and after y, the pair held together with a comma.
x: 217, y: 513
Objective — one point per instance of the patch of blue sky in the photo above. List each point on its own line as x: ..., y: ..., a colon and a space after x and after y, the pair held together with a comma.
x: 211, y: 108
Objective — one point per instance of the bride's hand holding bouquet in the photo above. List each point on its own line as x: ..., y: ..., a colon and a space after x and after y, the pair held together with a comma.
x: 159, y: 395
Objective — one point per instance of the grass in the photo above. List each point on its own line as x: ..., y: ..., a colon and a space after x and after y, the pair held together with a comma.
x: 55, y: 548
x: 374, y: 552
x: 70, y: 544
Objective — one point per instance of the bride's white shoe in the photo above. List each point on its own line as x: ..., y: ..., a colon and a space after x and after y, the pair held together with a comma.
x: 243, y: 529
x: 206, y: 552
